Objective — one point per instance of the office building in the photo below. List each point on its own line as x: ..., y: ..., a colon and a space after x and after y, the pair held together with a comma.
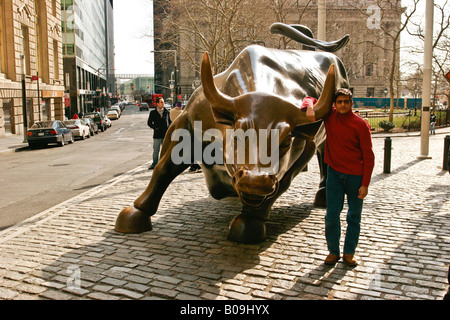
x: 88, y: 50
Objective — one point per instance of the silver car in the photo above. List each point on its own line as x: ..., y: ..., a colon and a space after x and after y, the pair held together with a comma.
x: 78, y: 127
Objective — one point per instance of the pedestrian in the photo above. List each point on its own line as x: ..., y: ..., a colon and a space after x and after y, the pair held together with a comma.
x: 159, y: 121
x: 350, y: 160
x: 432, y: 122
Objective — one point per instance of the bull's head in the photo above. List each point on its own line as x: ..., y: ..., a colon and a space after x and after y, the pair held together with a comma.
x: 256, y: 181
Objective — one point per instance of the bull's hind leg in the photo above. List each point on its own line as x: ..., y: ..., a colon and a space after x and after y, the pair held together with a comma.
x: 137, y: 218
x: 320, y: 199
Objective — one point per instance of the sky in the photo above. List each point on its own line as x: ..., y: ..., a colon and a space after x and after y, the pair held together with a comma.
x: 132, y: 20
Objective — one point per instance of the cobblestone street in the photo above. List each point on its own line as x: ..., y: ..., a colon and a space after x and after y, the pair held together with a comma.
x: 71, y: 251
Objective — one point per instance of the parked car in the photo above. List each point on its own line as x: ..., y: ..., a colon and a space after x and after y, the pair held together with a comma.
x: 112, y: 114
x: 117, y: 108
x: 93, y: 127
x: 143, y: 106
x: 78, y: 127
x: 98, y: 119
x: 42, y: 133
x: 107, y: 121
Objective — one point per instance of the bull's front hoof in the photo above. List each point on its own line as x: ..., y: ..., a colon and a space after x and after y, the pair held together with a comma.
x: 245, y: 229
x: 132, y: 220
x: 321, y: 198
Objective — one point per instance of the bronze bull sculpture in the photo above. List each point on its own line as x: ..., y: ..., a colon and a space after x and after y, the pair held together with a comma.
x: 261, y: 90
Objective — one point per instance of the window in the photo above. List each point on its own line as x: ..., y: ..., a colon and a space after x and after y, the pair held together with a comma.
x: 370, y: 92
x: 25, y: 49
x: 56, y: 59
x: 68, y: 49
x: 369, y: 70
x: 2, y: 48
x: 54, y: 8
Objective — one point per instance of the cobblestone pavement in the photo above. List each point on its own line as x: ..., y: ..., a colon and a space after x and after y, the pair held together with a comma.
x: 71, y: 251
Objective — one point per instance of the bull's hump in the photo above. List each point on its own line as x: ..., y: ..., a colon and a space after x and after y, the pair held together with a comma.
x: 292, y: 74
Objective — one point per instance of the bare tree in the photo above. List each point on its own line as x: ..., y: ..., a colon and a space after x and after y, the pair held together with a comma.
x: 441, y: 47
x: 221, y: 27
x: 385, y: 12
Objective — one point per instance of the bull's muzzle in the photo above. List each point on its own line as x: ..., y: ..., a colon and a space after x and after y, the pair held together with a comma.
x: 253, y: 187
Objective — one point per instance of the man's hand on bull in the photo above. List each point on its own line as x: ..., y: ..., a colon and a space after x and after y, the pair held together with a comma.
x: 310, y: 113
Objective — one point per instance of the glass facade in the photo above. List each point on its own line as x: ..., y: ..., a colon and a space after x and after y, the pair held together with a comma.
x: 84, y: 31
x: 88, y: 49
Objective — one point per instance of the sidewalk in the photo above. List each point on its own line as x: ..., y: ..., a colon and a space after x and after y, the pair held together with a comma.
x: 12, y: 143
x: 71, y: 251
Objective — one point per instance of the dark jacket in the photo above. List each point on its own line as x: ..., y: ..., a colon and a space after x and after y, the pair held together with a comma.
x: 159, y: 124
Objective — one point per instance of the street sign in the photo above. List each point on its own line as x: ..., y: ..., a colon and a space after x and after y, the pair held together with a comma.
x: 34, y: 78
x: 66, y: 99
x: 447, y: 76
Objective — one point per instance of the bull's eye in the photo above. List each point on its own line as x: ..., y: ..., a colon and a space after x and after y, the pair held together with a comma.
x: 286, y: 143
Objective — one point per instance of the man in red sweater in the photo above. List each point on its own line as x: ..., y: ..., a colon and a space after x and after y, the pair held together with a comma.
x: 350, y: 160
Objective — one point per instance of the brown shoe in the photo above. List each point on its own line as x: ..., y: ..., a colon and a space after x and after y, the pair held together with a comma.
x: 331, y: 259
x: 349, y: 259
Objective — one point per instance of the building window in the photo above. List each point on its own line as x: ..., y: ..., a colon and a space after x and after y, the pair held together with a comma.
x: 2, y: 40
x: 25, y: 49
x: 369, y: 70
x: 54, y: 8
x: 56, y: 59
x: 370, y: 92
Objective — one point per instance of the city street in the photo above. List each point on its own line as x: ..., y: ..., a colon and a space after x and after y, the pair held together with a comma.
x: 36, y: 179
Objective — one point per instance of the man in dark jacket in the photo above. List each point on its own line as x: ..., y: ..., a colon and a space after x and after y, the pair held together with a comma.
x: 159, y: 121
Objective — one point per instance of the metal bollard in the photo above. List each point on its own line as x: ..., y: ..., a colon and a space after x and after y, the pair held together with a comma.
x: 387, y: 155
x: 446, y: 152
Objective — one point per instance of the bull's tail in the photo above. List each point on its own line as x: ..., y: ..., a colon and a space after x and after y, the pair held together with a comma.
x: 303, y: 35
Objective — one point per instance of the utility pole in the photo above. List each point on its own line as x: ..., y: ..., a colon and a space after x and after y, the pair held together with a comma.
x: 426, y: 92
x: 24, y: 99
x: 322, y: 20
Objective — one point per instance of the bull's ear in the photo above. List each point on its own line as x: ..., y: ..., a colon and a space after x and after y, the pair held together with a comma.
x: 307, y: 131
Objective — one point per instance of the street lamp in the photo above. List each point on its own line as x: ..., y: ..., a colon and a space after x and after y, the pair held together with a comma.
x: 385, y: 94
x: 173, y: 82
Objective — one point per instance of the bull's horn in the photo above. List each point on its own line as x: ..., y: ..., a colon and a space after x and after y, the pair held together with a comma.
x: 223, y: 103
x: 323, y: 106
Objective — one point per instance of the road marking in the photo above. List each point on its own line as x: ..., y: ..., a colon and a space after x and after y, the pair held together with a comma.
x: 118, y: 131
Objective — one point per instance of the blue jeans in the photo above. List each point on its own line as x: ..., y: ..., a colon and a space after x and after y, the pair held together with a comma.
x: 157, y: 143
x: 339, y: 185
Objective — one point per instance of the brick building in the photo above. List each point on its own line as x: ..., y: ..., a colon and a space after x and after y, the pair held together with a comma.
x: 30, y: 44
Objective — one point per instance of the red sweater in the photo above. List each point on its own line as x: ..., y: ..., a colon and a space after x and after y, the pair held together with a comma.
x: 348, y: 147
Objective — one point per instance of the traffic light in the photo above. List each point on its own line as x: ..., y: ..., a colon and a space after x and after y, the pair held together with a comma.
x: 132, y: 86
